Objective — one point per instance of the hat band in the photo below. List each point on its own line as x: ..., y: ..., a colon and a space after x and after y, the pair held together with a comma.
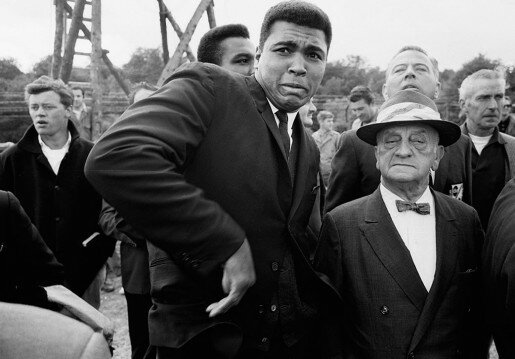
x: 407, y: 111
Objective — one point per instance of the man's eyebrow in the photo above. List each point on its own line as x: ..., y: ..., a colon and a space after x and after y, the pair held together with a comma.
x: 288, y: 43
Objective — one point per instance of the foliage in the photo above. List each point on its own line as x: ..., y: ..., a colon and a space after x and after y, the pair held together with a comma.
x: 145, y: 64
x: 43, y: 67
x: 343, y: 75
x: 9, y: 68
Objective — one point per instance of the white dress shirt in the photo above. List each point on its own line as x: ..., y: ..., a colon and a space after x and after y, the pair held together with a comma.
x: 291, y: 118
x: 417, y: 231
x: 55, y: 157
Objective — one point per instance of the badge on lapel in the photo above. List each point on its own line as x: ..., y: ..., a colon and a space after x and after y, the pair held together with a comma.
x: 456, y: 191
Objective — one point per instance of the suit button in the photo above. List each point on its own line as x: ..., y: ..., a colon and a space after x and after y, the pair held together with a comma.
x: 275, y: 266
x: 384, y: 310
x: 411, y: 355
x: 261, y: 309
x: 273, y: 307
x: 264, y: 340
x: 57, y: 219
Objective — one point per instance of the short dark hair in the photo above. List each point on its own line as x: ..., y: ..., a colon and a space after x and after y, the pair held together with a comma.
x: 140, y: 86
x: 209, y: 49
x: 44, y: 84
x: 359, y: 93
x: 79, y: 88
x: 299, y: 13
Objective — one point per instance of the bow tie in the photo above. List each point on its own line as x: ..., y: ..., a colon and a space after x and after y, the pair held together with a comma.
x: 420, y: 208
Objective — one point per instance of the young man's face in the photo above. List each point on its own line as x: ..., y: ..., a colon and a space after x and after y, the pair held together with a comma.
x: 327, y: 124
x: 238, y: 55
x: 362, y: 110
x: 48, y: 114
x: 78, y: 98
x: 291, y: 64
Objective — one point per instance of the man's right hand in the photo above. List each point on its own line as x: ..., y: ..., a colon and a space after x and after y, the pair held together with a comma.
x: 239, y: 275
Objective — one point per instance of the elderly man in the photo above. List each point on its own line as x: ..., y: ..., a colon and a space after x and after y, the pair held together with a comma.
x: 361, y: 100
x: 498, y: 267
x: 44, y: 170
x: 222, y: 185
x: 228, y: 46
x: 404, y: 258
x: 493, y: 153
x: 353, y: 171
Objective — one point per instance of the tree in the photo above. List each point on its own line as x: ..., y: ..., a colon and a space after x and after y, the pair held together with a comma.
x: 145, y: 64
x: 477, y: 63
x: 43, y: 66
x: 9, y: 68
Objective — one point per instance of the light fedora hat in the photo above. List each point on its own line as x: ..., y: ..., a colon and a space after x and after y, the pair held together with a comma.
x: 410, y: 107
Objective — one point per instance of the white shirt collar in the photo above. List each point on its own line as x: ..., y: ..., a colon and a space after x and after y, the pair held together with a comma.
x: 291, y: 115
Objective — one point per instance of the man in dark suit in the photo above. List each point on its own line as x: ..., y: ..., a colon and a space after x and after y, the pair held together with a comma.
x: 498, y: 269
x: 404, y: 258
x: 353, y: 171
x: 217, y: 173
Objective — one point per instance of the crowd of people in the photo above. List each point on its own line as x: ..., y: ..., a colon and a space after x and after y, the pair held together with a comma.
x: 246, y: 234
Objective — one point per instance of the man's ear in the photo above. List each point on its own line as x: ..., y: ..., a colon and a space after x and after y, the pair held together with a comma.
x: 437, y: 90
x: 258, y: 53
x: 440, y: 151
x: 385, y: 92
x: 377, y: 160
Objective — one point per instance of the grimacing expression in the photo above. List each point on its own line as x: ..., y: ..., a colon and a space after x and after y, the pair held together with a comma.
x: 291, y: 64
x: 360, y: 109
x: 406, y: 153
x: 411, y: 69
x: 48, y: 114
x: 78, y: 98
x: 238, y: 54
x: 483, y: 104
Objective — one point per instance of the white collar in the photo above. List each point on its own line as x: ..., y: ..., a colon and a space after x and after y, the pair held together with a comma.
x: 291, y: 115
x: 389, y: 197
x: 45, y: 147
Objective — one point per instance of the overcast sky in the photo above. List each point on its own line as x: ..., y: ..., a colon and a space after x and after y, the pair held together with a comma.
x: 453, y: 31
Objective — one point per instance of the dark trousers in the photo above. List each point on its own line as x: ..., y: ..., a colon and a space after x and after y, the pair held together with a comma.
x: 138, y: 306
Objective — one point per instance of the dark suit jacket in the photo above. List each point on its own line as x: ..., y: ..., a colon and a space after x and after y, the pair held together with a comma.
x: 498, y: 268
x: 197, y: 167
x: 354, y: 173
x: 388, y: 311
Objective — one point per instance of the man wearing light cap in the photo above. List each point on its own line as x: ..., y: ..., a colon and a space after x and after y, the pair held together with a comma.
x: 404, y: 258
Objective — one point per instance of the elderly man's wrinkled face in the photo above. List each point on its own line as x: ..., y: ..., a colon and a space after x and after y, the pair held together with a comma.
x: 291, y: 64
x: 483, y: 105
x: 406, y: 153
x: 411, y: 70
x: 238, y: 55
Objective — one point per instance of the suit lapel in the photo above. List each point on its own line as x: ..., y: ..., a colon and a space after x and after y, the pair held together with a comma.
x: 446, y: 259
x: 266, y: 113
x: 389, y: 247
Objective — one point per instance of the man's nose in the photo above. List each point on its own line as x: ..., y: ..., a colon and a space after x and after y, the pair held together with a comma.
x: 298, y: 65
x: 404, y: 149
x: 410, y: 72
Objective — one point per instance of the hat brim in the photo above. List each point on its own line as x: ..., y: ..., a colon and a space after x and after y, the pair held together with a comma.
x: 448, y: 132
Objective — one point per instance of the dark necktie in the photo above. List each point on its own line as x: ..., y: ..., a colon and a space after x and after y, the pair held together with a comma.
x: 283, y: 130
x: 420, y: 208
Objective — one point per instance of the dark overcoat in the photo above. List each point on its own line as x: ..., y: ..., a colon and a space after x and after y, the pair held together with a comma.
x: 63, y: 207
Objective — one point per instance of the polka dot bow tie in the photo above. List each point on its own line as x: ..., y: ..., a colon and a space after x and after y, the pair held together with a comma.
x: 420, y: 208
